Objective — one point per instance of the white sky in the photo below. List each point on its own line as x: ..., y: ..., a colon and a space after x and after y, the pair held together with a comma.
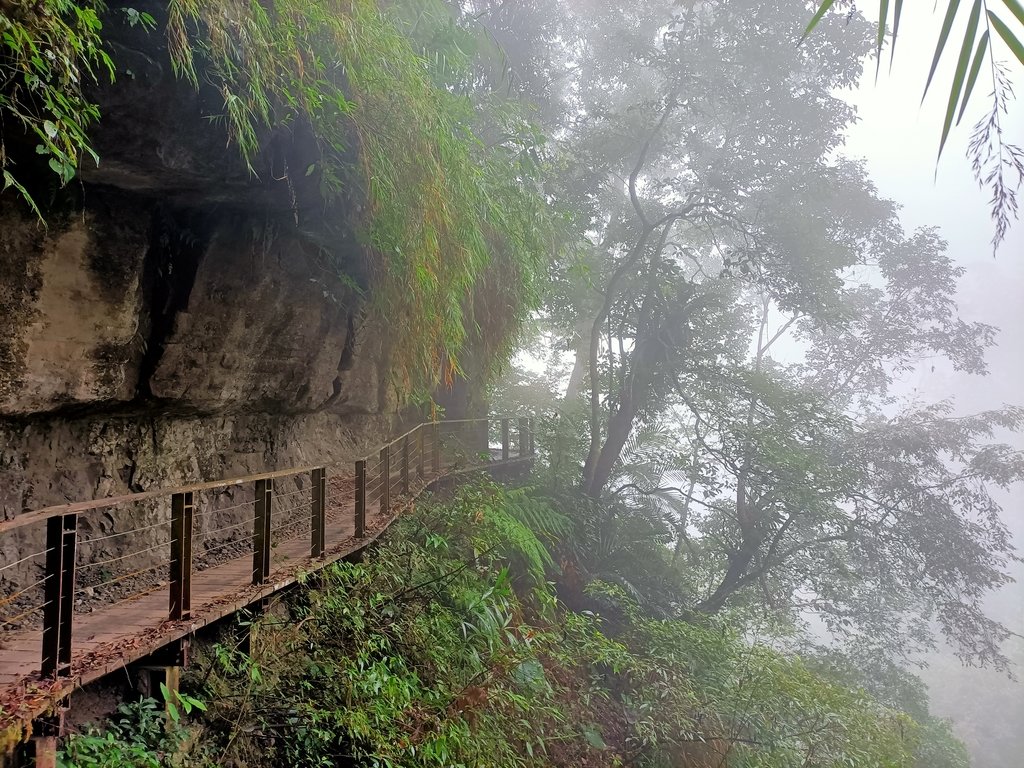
x: 898, y: 139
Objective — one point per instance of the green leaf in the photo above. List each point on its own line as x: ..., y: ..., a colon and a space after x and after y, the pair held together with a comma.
x: 972, y: 78
x: 593, y: 737
x: 1008, y: 37
x: 883, y: 16
x: 10, y: 181
x: 50, y: 128
x: 947, y: 24
x: 822, y: 10
x: 897, y: 13
x: 1016, y: 9
x: 961, y: 72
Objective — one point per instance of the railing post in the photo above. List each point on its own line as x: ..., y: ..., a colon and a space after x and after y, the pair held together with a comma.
x: 533, y: 442
x: 405, y: 465
x: 385, y: 480
x: 524, y: 447
x: 59, y: 594
x: 421, y: 456
x: 318, y: 514
x: 504, y: 440
x: 360, y: 499
x: 436, y: 448
x: 182, y: 513
x: 261, y: 531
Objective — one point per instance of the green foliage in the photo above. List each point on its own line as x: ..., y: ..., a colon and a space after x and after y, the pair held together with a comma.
x: 136, y: 736
x: 48, y: 50
x: 447, y: 214
x: 434, y: 652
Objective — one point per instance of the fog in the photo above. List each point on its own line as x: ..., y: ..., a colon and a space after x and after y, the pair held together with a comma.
x: 897, y: 136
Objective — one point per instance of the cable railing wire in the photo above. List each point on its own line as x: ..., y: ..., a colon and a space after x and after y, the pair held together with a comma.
x: 208, y: 534
x: 25, y: 559
x: 225, y: 544
x: 123, y: 577
x: 107, y: 537
x: 164, y: 545
x: 9, y: 599
x: 220, y: 510
x: 25, y: 614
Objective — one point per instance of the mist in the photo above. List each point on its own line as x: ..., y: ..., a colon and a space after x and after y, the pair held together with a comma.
x: 896, y: 136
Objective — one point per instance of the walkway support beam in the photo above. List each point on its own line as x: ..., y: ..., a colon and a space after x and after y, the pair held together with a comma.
x: 261, y: 531
x: 405, y: 465
x: 385, y: 480
x: 318, y: 514
x: 59, y: 594
x: 182, y: 515
x: 435, y: 433
x: 360, y: 499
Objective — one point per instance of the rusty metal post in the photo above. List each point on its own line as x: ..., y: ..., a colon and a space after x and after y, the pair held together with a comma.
x: 436, y: 448
x: 405, y: 465
x: 360, y: 499
x: 318, y: 514
x: 45, y: 749
x: 182, y: 514
x: 524, y: 448
x: 59, y: 594
x: 261, y: 531
x: 504, y: 440
x: 385, y: 480
x: 421, y: 457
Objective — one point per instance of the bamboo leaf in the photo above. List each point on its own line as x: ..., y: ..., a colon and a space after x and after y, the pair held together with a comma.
x: 1009, y: 38
x: 822, y: 10
x: 961, y: 71
x: 883, y: 16
x: 972, y: 78
x: 947, y: 24
x: 896, y: 14
x: 1016, y: 9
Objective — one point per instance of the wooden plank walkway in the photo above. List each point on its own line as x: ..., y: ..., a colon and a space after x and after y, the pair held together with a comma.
x: 111, y: 637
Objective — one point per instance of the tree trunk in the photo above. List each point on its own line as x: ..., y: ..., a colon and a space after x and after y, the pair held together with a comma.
x: 581, y: 338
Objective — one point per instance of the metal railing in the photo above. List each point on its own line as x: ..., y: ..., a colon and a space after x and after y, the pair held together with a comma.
x: 102, y: 552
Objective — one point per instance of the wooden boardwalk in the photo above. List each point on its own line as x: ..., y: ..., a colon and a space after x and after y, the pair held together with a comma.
x: 112, y: 636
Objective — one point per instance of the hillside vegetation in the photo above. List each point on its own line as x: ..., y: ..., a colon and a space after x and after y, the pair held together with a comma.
x: 450, y: 647
x: 741, y: 533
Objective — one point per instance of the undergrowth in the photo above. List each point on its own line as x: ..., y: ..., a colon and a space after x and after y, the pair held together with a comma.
x: 448, y: 647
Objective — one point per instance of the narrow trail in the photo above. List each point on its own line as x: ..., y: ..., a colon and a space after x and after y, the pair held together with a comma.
x: 107, y: 636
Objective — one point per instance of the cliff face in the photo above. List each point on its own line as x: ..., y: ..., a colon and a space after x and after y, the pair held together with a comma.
x: 179, y: 317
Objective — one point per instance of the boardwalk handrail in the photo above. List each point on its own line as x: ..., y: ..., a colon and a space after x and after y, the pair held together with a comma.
x: 56, y: 510
x: 78, y: 538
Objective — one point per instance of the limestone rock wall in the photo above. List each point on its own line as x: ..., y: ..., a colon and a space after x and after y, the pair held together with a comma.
x: 178, y: 347
x: 180, y: 317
